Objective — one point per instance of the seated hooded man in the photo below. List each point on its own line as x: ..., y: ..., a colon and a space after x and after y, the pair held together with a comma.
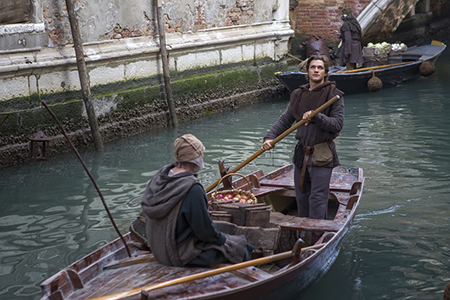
x: 178, y: 227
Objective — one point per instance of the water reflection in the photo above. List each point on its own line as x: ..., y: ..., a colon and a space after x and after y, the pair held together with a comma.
x: 398, y: 247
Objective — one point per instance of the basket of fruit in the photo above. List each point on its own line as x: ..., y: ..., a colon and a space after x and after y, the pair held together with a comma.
x: 234, y: 195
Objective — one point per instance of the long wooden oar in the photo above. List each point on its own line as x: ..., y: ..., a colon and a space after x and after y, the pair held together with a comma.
x: 373, y: 68
x: 91, y: 177
x: 250, y: 263
x: 277, y: 139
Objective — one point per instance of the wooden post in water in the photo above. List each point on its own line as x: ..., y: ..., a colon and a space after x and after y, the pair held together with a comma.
x: 84, y: 76
x: 163, y: 50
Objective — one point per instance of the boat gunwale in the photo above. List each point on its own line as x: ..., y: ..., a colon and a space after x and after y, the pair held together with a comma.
x: 333, y: 244
x: 421, y: 57
x: 335, y: 240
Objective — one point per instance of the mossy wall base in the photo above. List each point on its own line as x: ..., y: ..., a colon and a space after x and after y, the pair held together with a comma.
x: 133, y: 107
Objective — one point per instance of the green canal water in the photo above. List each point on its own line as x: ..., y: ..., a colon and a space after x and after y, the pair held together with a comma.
x: 397, y: 248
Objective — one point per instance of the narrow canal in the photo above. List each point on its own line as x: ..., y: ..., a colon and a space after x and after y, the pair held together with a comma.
x: 397, y: 248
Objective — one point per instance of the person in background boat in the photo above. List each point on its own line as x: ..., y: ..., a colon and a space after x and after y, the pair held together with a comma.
x: 350, y: 53
x: 178, y: 227
x: 312, y: 181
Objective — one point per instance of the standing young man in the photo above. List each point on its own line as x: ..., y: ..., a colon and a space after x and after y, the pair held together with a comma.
x: 312, y: 181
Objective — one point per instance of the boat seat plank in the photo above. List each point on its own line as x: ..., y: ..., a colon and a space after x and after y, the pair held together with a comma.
x: 285, y: 180
x: 288, y: 184
x: 340, y: 181
x: 313, y: 225
x: 304, y: 224
x: 265, y: 190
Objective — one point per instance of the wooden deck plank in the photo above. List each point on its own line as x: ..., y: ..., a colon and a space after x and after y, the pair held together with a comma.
x: 340, y: 180
x: 107, y: 281
x: 314, y: 225
x: 262, y: 191
x: 144, y: 274
x: 201, y: 287
x: 148, y: 274
x: 305, y: 224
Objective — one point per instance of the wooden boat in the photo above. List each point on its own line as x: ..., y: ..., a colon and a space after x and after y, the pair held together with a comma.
x: 282, y: 271
x: 405, y: 68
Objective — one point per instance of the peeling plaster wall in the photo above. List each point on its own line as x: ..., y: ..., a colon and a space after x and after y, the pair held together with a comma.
x: 97, y: 19
x: 222, y: 55
x: 121, y: 45
x: 104, y: 19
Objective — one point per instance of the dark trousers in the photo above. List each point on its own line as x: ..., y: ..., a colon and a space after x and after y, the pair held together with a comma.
x: 313, y: 201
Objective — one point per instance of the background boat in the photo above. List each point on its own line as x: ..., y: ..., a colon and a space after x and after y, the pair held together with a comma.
x: 404, y: 69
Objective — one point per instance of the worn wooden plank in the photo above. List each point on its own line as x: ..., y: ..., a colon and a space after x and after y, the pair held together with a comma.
x: 202, y: 287
x: 95, y: 267
x: 342, y: 179
x: 150, y: 273
x: 252, y: 274
x: 285, y: 179
x: 314, y: 225
x: 263, y: 190
x: 306, y: 224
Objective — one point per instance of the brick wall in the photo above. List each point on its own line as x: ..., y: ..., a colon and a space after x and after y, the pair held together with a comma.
x: 322, y: 18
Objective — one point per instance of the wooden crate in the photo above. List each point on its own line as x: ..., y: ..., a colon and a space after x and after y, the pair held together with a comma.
x: 220, y: 216
x: 242, y: 214
x: 264, y: 239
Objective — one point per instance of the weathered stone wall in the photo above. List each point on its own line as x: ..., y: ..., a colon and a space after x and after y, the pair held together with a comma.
x: 221, y: 48
x: 135, y: 107
x: 120, y: 42
x: 108, y: 19
x: 320, y: 18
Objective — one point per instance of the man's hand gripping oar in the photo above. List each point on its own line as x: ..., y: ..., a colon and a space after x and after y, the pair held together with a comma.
x: 278, y: 138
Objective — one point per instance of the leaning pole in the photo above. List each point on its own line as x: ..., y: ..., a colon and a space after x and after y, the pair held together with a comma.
x: 84, y: 77
x: 166, y: 74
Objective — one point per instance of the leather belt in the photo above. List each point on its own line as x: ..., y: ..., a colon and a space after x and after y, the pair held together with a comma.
x: 308, y: 151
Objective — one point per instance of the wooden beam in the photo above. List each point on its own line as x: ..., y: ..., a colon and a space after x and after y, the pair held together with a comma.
x: 164, y: 55
x: 84, y: 76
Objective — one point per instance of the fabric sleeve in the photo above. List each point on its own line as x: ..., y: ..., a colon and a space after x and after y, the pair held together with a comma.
x: 194, y: 215
x: 335, y: 121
